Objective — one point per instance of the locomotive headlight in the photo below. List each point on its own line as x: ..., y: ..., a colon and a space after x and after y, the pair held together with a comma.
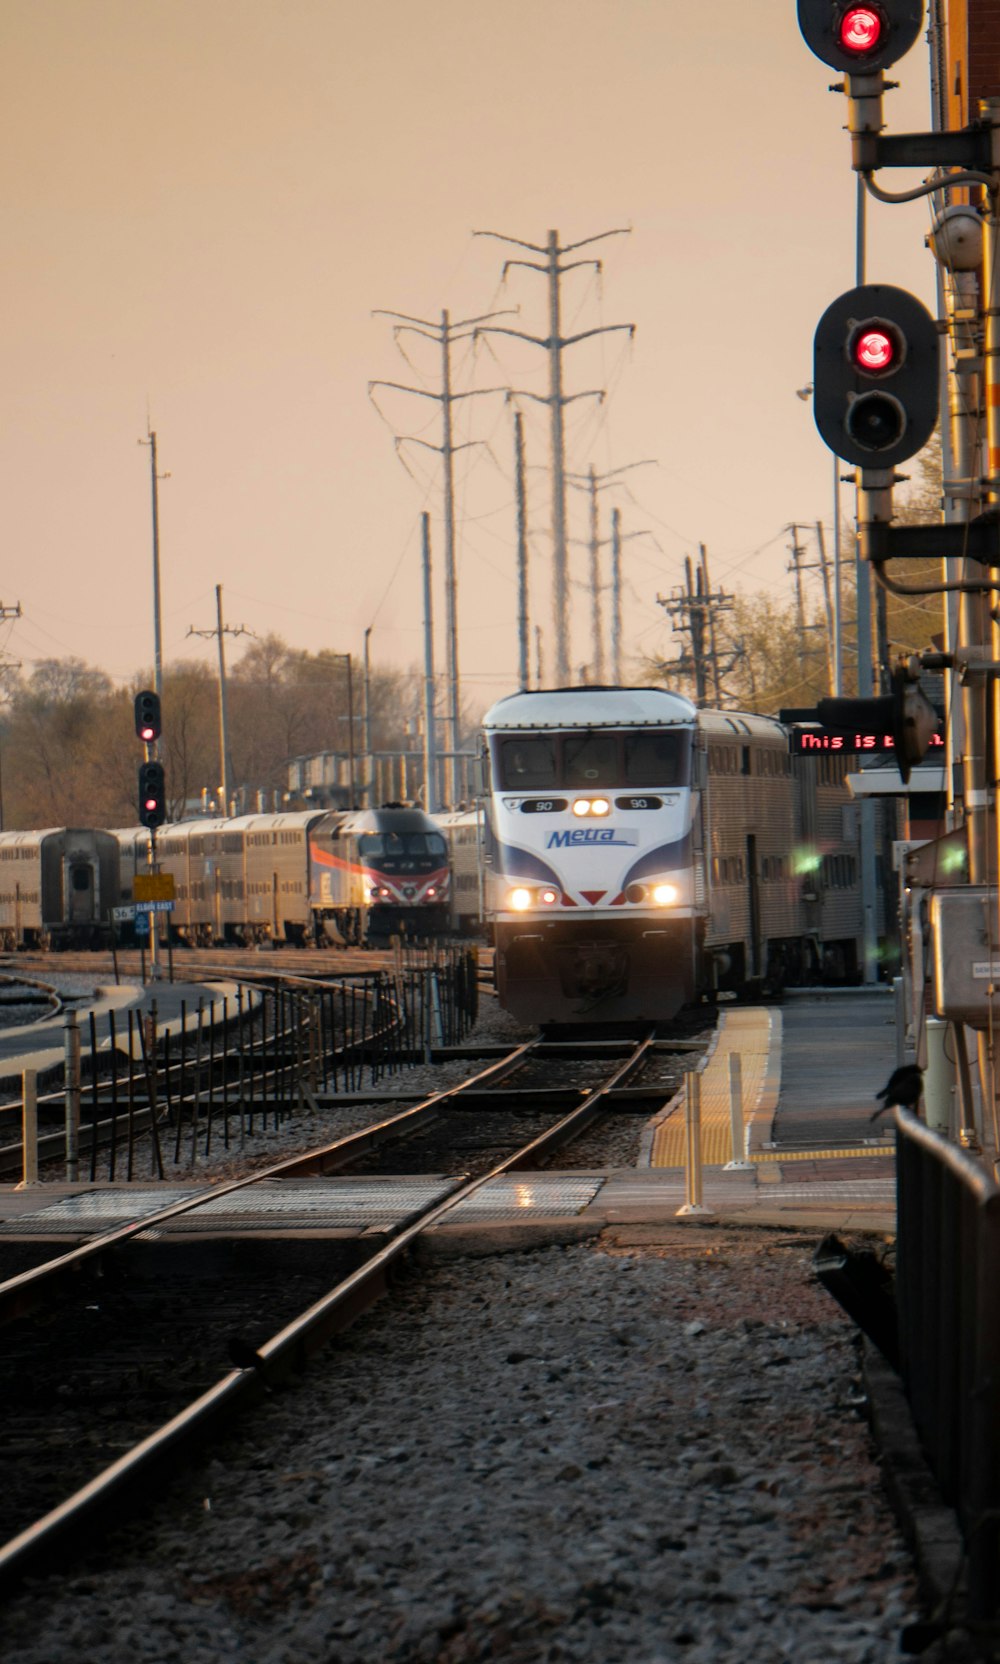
x: 431, y: 892
x: 581, y: 806
x: 600, y: 806
x: 519, y: 900
x: 664, y: 894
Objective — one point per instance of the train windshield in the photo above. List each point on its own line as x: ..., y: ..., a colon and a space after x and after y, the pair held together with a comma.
x: 376, y: 846
x: 589, y: 758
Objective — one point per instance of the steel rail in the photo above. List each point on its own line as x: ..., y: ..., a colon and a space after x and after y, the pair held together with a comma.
x: 286, y: 1352
x: 24, y: 1292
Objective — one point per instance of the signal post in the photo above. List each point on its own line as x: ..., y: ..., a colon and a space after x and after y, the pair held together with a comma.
x: 153, y: 886
x: 876, y: 389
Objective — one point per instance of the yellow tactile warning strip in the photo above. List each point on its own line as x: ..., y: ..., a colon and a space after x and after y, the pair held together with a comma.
x: 756, y: 1036
x: 824, y: 1155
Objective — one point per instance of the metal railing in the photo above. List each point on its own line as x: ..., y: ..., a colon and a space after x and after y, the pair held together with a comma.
x: 948, y: 1296
x: 139, y: 1096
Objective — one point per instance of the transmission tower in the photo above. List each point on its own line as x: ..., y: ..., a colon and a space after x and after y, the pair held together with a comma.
x: 443, y: 334
x: 554, y: 267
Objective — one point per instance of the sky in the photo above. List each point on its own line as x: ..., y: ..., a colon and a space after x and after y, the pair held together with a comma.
x: 207, y: 202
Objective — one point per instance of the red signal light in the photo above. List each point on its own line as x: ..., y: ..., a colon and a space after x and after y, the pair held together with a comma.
x: 862, y: 29
x: 875, y: 350
x: 876, y: 347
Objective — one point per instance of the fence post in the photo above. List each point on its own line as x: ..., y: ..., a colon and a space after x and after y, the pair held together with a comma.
x: 29, y: 1129
x: 692, y: 1144
x: 71, y: 1077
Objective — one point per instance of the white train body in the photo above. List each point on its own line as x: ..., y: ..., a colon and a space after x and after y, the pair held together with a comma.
x: 638, y: 852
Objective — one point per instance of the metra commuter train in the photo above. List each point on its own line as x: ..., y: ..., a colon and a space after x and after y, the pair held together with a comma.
x: 294, y: 878
x: 640, y: 852
x: 350, y: 877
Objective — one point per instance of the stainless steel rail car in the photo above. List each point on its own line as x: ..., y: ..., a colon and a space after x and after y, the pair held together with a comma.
x: 641, y: 852
x: 463, y: 832
x: 57, y: 887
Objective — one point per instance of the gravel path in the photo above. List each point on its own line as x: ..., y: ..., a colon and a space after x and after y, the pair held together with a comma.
x: 625, y: 1452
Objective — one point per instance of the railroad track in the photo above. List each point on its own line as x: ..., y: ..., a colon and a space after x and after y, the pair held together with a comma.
x: 137, y: 1345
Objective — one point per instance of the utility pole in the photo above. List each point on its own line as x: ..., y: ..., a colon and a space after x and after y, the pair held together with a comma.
x: 592, y: 483
x: 369, y: 760
x: 221, y: 631
x: 616, y: 597
x: 524, y: 672
x: 431, y: 803
x: 444, y: 334
x: 696, y: 608
x: 831, y: 612
x: 554, y: 266
x: 796, y: 553
x: 5, y: 613
x: 799, y: 566
x: 150, y: 440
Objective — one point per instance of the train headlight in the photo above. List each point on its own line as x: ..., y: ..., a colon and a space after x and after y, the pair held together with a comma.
x: 548, y: 897
x: 519, y: 900
x: 431, y: 892
x: 664, y: 894
x: 600, y: 806
x: 581, y: 806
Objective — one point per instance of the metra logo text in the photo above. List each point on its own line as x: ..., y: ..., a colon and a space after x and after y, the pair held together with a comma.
x: 591, y: 835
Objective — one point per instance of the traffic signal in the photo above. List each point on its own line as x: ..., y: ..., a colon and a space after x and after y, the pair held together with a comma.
x: 152, y: 794
x: 906, y: 715
x: 875, y: 375
x: 860, y: 38
x: 147, y: 716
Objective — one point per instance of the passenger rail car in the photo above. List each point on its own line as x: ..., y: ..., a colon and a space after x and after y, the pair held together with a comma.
x: 294, y: 878
x: 463, y: 832
x: 641, y: 852
x: 56, y: 887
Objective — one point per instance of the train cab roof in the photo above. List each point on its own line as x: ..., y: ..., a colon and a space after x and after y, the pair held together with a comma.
x: 590, y: 707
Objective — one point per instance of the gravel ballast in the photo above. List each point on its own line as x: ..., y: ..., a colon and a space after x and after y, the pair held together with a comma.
x: 634, y: 1450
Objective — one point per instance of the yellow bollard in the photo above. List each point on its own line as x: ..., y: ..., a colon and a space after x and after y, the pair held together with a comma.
x: 692, y: 1144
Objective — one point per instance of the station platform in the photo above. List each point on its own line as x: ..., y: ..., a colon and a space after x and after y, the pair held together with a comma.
x: 812, y: 1157
x: 41, y: 1045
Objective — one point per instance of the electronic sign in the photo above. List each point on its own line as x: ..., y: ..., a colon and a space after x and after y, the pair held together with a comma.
x: 816, y: 741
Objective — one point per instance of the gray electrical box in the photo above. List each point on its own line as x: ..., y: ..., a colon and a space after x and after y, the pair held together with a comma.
x: 965, y: 953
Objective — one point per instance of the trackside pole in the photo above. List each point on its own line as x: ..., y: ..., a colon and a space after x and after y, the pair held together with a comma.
x: 29, y: 1129
x: 71, y: 1076
x: 692, y: 1144
x: 737, y: 1162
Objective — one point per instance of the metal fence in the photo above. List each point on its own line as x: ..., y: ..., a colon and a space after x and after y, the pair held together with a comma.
x: 948, y: 1294
x: 136, y: 1096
